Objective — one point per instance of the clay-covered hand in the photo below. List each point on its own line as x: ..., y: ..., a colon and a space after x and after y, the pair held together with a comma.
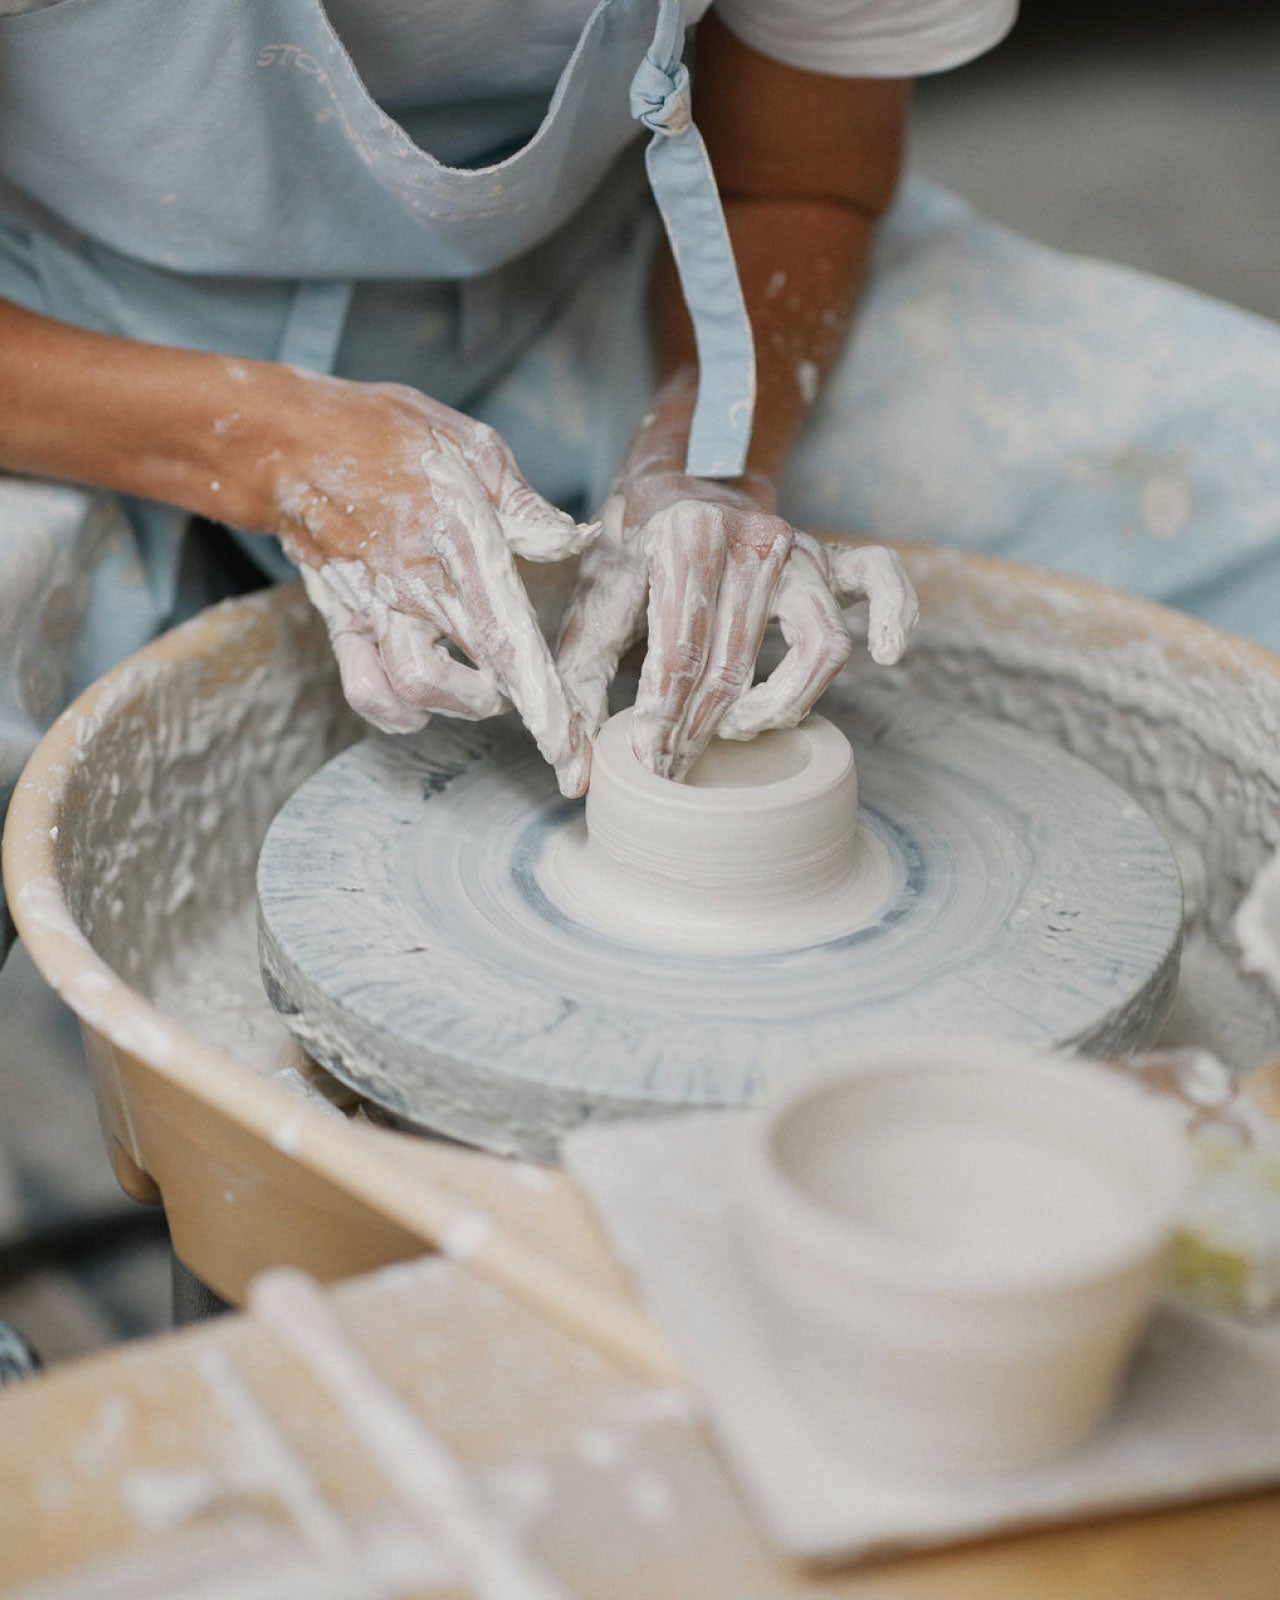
x: 404, y: 517
x: 707, y: 565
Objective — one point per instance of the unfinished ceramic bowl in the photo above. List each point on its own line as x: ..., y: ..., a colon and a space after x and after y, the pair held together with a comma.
x: 758, y: 849
x: 958, y: 1245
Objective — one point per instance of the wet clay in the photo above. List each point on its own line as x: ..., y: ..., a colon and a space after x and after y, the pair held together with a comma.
x: 459, y: 945
x: 758, y: 849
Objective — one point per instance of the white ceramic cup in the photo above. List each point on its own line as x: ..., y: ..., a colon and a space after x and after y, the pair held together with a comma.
x: 957, y: 1245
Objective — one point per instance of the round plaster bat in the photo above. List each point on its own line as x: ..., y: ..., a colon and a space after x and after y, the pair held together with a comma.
x: 441, y: 930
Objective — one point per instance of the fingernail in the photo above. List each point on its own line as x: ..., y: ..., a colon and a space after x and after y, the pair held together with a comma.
x: 574, y: 775
x: 659, y: 762
x: 737, y: 727
x: 887, y: 647
x: 550, y: 516
x: 527, y: 505
x: 590, y: 699
x: 583, y: 532
x: 522, y: 528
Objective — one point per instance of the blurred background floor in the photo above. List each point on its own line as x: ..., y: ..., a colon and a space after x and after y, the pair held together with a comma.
x: 54, y: 1168
x: 1144, y: 133
x: 1147, y: 134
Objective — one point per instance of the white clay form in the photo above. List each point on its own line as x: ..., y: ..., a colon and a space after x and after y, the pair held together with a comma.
x: 441, y: 930
x: 957, y: 1245
x: 759, y: 849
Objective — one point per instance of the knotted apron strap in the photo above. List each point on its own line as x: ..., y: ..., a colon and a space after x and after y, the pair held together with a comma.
x: 684, y: 187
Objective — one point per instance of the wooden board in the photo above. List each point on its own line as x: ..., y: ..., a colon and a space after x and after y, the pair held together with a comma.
x: 615, y: 1489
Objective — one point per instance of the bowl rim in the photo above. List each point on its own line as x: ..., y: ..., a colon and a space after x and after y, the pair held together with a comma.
x: 33, y: 855
x: 772, y: 1203
x: 830, y: 761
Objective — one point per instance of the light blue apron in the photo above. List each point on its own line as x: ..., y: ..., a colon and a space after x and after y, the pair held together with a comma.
x: 213, y: 174
x: 996, y: 395
x: 176, y: 150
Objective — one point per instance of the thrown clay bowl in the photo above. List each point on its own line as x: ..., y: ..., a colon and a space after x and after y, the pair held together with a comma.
x: 759, y: 846
x: 957, y: 1246
x: 757, y: 823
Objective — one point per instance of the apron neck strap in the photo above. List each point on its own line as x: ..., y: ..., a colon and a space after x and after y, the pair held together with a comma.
x: 684, y: 188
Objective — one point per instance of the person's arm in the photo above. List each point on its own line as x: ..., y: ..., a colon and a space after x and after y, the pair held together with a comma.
x: 403, y: 515
x: 164, y: 424
x: 806, y: 167
x: 806, y: 164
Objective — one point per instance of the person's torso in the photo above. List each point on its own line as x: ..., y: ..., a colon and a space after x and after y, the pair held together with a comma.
x: 217, y: 136
x: 414, y: 53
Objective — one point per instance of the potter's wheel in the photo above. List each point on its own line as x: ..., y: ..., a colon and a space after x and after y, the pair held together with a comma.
x: 418, y: 938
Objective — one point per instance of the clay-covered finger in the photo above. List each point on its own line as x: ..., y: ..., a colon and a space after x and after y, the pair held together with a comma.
x: 688, y: 541
x: 757, y: 552
x: 534, y: 528
x: 819, y: 645
x: 493, y: 620
x: 365, y: 685
x: 515, y: 656
x: 338, y: 616
x: 369, y: 691
x: 424, y: 675
x: 604, y: 617
x: 877, y: 575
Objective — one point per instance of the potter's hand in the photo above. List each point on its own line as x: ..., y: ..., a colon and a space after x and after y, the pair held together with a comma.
x: 404, y: 517
x: 817, y: 575
x: 711, y: 563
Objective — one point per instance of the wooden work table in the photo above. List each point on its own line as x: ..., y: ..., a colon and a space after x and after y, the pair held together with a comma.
x: 610, y: 1481
x: 217, y: 1435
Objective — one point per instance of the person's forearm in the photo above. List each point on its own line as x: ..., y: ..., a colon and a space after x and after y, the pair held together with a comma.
x: 166, y: 424
x: 402, y: 515
x: 806, y: 165
x: 801, y: 265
